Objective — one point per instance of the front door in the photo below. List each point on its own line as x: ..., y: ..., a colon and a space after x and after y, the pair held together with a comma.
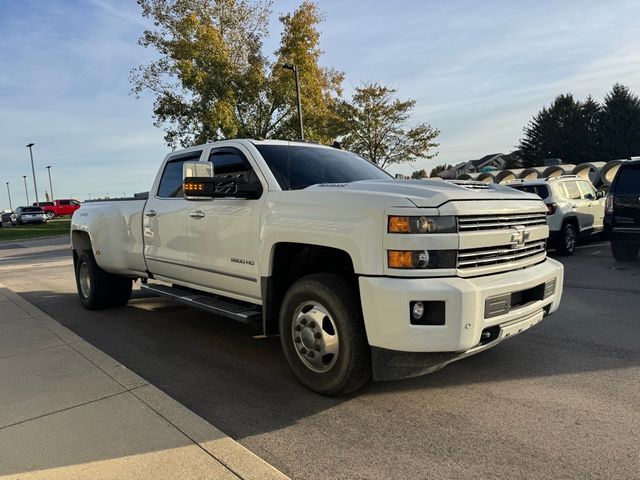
x: 594, y: 204
x: 224, y: 232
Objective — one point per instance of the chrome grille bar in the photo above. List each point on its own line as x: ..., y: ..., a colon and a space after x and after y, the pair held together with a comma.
x: 496, y: 222
x: 494, y: 255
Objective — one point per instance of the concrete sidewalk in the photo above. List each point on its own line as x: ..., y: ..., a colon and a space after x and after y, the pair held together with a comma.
x: 69, y: 411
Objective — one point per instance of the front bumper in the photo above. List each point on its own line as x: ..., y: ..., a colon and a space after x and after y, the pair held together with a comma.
x: 385, y: 305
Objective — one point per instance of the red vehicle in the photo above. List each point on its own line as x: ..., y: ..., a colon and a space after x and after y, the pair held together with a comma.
x: 58, y: 208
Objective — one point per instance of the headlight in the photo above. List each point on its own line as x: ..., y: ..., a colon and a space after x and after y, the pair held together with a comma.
x: 421, y: 259
x: 421, y: 224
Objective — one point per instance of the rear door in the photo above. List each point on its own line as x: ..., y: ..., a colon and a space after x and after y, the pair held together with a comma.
x: 166, y: 245
x: 626, y: 199
x: 224, y: 232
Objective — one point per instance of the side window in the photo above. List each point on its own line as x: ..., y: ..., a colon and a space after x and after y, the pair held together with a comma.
x: 65, y: 202
x: 171, y: 181
x: 571, y: 190
x: 588, y: 192
x: 230, y: 164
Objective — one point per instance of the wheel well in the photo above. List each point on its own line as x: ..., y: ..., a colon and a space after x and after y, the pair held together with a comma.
x: 79, y: 241
x: 573, y: 221
x: 292, y: 261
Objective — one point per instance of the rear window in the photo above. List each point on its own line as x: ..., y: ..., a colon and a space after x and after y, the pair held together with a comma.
x: 541, y: 190
x: 628, y: 179
x: 32, y: 210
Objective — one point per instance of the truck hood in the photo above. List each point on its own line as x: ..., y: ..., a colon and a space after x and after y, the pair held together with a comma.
x: 430, y: 193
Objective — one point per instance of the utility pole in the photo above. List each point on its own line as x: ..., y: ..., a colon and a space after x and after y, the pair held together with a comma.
x: 33, y: 171
x: 26, y: 192
x: 9, y: 193
x: 50, y: 187
x: 294, y: 68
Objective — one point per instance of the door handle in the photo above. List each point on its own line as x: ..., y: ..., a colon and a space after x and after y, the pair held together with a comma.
x: 150, y: 213
x: 197, y: 214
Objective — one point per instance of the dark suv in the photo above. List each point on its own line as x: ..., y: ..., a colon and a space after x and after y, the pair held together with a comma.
x: 622, y: 212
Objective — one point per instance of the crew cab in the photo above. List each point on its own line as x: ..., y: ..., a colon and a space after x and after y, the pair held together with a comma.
x: 360, y: 275
x: 59, y: 208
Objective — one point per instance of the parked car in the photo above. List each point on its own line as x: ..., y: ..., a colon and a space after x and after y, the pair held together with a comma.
x: 59, y: 208
x: 5, y: 217
x: 24, y: 215
x: 362, y: 276
x: 574, y: 208
x: 622, y: 212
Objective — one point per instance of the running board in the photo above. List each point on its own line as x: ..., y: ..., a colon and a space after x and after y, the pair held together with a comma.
x: 242, y: 312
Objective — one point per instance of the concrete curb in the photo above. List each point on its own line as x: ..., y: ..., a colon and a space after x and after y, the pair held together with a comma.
x: 236, y: 458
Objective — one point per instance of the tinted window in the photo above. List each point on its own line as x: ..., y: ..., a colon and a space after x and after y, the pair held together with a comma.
x: 298, y: 167
x: 65, y: 202
x: 230, y: 164
x: 32, y: 209
x: 171, y: 181
x: 541, y: 190
x: 628, y: 179
x: 571, y: 190
x: 43, y: 204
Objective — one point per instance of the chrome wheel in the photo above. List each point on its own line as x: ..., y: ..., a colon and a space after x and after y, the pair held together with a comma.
x: 315, y: 337
x: 50, y: 215
x: 84, y: 279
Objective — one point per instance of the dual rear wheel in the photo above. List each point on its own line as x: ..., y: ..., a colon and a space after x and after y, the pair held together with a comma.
x: 98, y: 289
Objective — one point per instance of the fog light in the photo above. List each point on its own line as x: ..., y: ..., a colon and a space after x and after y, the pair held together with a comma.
x: 418, y: 310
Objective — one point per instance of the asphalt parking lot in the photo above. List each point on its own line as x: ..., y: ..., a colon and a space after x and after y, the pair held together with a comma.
x: 559, y: 401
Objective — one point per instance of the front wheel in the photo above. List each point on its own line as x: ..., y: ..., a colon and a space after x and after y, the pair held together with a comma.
x: 98, y: 289
x: 624, y: 252
x: 323, y: 335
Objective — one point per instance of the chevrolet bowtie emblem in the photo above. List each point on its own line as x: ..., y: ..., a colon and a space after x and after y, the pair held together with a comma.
x: 519, y: 236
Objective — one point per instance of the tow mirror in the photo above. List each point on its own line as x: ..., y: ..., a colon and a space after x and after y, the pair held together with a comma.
x: 600, y: 194
x: 197, y: 180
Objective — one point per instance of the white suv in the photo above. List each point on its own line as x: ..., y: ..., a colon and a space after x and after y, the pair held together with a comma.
x: 575, y: 208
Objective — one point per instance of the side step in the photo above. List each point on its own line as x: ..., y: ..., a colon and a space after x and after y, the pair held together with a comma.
x: 240, y: 311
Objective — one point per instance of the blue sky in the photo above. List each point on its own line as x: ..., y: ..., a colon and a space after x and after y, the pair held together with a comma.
x: 478, y: 70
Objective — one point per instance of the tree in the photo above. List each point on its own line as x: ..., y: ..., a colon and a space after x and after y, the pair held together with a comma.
x: 213, y: 81
x: 376, y: 124
x: 619, y: 124
x: 419, y: 174
x: 439, y: 168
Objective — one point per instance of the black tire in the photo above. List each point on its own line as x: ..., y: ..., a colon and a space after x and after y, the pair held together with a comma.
x: 352, y: 367
x: 50, y: 215
x: 567, y: 240
x: 624, y: 252
x: 103, y: 290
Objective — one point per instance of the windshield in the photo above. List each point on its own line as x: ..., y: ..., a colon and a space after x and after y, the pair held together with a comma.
x: 299, y: 166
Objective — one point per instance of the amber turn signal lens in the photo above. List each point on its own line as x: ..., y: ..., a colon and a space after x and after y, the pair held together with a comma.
x: 399, y: 224
x: 400, y: 258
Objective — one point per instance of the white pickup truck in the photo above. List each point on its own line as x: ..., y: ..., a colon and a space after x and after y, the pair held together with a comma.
x: 360, y: 274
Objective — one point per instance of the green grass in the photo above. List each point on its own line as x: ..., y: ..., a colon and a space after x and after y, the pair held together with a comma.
x: 58, y: 226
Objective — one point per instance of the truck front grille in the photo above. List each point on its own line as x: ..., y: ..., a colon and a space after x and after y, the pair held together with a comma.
x: 488, y: 256
x: 498, y: 222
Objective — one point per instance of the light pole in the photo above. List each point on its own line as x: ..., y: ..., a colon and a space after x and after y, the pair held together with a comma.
x: 9, y: 193
x: 50, y: 187
x: 294, y: 68
x: 33, y: 171
x: 26, y: 192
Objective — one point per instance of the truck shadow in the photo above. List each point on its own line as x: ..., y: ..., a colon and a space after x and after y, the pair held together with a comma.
x: 243, y: 385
